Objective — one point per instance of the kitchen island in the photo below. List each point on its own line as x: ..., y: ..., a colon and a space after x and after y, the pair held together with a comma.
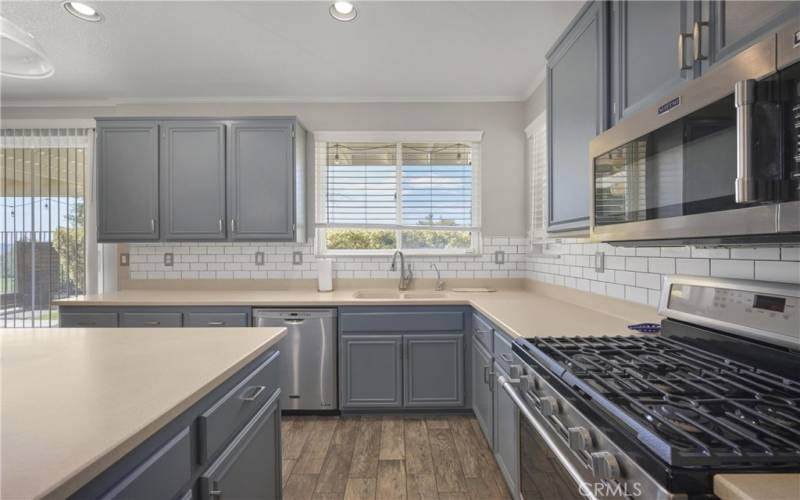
x: 136, y: 411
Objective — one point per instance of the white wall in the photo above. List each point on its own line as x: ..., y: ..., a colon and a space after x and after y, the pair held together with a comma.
x: 503, y: 163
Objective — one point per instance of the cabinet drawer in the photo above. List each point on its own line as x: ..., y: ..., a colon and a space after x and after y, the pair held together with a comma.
x: 151, y: 320
x: 220, y: 422
x: 160, y: 476
x: 88, y: 320
x: 214, y: 319
x: 482, y: 331
x: 402, y: 321
x: 502, y: 350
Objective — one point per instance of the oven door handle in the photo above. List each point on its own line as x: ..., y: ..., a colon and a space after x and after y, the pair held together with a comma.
x: 551, y: 443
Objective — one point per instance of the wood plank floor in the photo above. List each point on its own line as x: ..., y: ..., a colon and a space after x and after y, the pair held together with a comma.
x: 388, y: 457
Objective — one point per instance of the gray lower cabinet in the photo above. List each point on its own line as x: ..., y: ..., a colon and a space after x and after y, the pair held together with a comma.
x: 85, y: 319
x: 193, y: 180
x: 153, y: 317
x: 577, y: 111
x: 433, y: 370
x: 371, y: 373
x: 226, y: 445
x: 261, y: 179
x: 127, y: 179
x: 506, y: 435
x: 250, y: 467
x: 482, y: 401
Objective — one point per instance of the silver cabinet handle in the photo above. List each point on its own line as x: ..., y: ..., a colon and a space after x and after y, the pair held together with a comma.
x: 544, y: 434
x: 152, y: 323
x: 257, y: 390
x: 681, y: 52
x: 491, y: 381
x: 152, y: 225
x: 86, y: 323
x: 486, y: 374
x: 215, y: 493
x: 697, y: 40
x: 221, y: 225
x: 233, y: 225
x: 215, y: 323
x: 744, y: 96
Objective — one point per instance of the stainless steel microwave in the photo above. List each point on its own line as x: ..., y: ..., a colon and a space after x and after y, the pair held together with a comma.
x: 717, y: 162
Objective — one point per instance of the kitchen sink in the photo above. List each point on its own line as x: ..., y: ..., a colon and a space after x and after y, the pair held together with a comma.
x: 377, y: 294
x: 392, y: 294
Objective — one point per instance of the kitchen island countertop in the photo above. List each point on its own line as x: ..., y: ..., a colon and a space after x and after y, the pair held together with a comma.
x: 757, y: 486
x: 72, y: 398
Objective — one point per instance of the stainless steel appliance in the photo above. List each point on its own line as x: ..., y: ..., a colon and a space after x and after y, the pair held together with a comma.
x: 657, y: 416
x: 716, y: 162
x: 308, y: 356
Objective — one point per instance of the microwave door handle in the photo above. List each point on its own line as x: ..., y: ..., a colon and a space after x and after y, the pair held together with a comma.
x: 744, y: 96
x: 546, y: 436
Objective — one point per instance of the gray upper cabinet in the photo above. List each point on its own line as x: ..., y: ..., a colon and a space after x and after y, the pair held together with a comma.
x: 577, y: 111
x: 261, y: 179
x: 371, y: 371
x: 193, y: 180
x: 646, y: 51
x: 734, y: 25
x: 127, y: 166
x: 434, y: 370
x: 482, y: 403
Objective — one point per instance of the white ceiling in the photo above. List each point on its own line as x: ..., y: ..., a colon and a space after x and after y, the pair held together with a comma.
x: 289, y: 51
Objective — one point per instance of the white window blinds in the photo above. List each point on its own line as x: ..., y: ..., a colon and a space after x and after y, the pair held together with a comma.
x: 398, y: 185
x: 537, y: 160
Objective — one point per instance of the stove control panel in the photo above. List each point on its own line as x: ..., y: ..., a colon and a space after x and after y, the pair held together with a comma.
x: 769, y: 312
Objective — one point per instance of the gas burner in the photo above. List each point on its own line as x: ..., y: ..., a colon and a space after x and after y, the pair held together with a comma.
x: 682, y: 418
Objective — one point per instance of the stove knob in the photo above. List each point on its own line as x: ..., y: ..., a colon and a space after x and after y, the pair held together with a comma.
x: 549, y: 406
x: 525, y: 383
x: 515, y: 371
x: 579, y: 438
x: 605, y: 465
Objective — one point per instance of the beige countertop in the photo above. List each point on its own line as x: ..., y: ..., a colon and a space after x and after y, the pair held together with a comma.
x: 73, y: 399
x: 545, y: 310
x: 757, y: 486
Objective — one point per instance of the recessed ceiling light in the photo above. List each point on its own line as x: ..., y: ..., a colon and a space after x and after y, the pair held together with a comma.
x: 83, y: 11
x: 342, y: 10
x: 21, y: 56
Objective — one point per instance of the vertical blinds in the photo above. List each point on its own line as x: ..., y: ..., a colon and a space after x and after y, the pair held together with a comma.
x: 42, y: 256
x: 398, y: 185
x: 537, y: 158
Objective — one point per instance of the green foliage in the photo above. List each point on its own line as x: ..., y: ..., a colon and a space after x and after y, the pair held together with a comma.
x: 386, y: 239
x: 361, y: 239
x: 69, y: 242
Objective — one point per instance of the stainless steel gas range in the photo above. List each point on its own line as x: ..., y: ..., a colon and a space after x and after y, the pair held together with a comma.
x: 657, y: 416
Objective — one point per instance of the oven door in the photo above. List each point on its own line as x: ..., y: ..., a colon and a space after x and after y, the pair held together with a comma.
x: 706, y: 162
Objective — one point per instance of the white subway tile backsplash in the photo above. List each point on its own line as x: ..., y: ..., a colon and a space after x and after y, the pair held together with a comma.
x: 631, y: 273
x: 743, y: 269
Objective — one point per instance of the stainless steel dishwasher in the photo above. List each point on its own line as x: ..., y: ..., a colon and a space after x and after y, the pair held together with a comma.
x: 308, y: 356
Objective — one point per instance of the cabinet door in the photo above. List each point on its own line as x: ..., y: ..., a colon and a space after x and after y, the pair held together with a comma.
x: 737, y: 24
x: 261, y: 180
x: 193, y: 180
x: 250, y: 467
x: 506, y: 435
x: 576, y: 113
x: 646, y: 50
x: 481, y: 391
x: 371, y: 371
x: 433, y: 370
x: 127, y: 173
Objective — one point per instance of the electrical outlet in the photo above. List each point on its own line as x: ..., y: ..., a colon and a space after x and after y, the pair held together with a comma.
x: 297, y: 258
x: 499, y: 257
x: 600, y: 262
x: 169, y: 258
x: 124, y: 259
x: 259, y: 258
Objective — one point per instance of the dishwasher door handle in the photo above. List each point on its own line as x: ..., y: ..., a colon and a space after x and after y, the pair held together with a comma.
x: 294, y: 321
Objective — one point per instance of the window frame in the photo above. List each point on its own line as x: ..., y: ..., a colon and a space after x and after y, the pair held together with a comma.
x: 322, y: 138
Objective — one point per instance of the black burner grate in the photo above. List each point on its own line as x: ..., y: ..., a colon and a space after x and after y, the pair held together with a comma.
x: 689, y: 406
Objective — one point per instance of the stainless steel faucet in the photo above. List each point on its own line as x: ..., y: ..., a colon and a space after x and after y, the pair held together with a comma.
x: 405, y: 274
x: 439, y: 283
